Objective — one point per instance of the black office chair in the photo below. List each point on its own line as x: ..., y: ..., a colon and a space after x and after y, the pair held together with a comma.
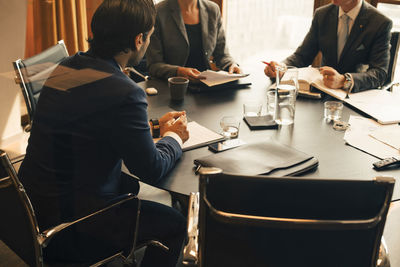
x: 263, y: 221
x: 19, y: 229
x: 31, y: 73
x: 394, y: 50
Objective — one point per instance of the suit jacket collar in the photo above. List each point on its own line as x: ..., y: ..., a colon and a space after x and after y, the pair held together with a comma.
x: 358, y: 26
x: 332, y: 25
x: 177, y: 16
x: 204, y: 23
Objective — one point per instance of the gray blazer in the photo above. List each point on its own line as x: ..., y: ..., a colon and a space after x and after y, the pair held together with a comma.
x: 366, y: 53
x: 169, y: 46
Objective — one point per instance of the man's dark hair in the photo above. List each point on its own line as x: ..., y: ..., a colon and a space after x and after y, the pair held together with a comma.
x: 116, y: 23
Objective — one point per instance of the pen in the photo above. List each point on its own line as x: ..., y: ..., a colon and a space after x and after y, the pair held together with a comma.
x: 266, y: 63
x: 176, y: 119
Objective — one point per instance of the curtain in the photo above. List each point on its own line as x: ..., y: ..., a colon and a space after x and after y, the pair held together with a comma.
x: 53, y: 20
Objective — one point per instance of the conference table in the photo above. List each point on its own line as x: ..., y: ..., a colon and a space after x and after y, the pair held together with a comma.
x: 310, y: 133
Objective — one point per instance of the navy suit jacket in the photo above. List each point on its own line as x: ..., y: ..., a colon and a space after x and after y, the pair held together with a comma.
x: 80, y: 137
x: 366, y: 53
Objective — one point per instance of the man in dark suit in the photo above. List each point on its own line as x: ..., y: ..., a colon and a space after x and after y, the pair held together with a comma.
x: 354, y: 38
x: 81, y: 135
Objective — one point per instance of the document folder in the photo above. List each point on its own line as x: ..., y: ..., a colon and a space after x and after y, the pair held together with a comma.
x: 269, y: 158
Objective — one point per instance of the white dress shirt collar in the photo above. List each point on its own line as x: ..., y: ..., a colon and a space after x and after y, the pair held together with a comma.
x: 353, y: 13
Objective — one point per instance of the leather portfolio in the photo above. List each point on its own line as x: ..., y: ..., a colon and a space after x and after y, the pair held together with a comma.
x: 269, y: 158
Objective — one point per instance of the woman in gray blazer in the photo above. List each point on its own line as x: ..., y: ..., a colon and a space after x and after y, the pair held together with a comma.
x: 186, y: 34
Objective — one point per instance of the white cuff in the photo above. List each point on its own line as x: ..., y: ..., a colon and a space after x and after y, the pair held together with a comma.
x: 175, y: 136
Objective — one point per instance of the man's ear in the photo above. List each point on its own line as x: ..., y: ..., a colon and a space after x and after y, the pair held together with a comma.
x: 139, y: 41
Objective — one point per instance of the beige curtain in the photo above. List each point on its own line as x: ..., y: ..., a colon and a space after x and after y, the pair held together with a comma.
x: 54, y: 20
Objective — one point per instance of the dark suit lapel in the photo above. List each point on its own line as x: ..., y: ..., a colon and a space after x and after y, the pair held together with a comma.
x: 332, y: 24
x: 177, y: 16
x: 356, y: 30
x: 204, y: 24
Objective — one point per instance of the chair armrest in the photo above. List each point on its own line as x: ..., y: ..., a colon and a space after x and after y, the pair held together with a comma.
x: 190, y: 251
x: 45, y: 237
x: 389, y: 86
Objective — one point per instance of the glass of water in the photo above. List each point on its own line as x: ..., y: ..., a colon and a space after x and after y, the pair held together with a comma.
x: 285, y: 101
x: 333, y: 110
x: 230, y: 126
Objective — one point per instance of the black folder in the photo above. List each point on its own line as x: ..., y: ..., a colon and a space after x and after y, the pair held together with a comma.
x: 269, y: 158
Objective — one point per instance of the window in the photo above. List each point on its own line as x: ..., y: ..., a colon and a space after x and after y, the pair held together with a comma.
x: 266, y: 29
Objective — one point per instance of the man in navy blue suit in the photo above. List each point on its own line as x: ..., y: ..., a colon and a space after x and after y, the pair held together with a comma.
x: 81, y: 135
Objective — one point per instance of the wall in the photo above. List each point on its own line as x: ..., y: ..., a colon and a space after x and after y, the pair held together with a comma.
x: 12, y: 45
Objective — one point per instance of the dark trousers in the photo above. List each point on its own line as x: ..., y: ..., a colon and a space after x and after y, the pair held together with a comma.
x: 164, y: 224
x: 161, y: 223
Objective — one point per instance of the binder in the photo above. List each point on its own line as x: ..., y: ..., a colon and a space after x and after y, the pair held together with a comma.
x: 269, y: 158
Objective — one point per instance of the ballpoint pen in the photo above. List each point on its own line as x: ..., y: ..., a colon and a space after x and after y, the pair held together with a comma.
x: 176, y: 120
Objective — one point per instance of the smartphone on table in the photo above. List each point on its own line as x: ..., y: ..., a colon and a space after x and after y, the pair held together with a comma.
x: 225, y: 145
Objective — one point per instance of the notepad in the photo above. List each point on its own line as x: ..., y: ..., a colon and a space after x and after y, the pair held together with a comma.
x: 213, y: 78
x: 199, y: 136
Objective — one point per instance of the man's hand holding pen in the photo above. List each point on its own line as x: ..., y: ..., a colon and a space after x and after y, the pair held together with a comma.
x: 271, y: 68
x: 176, y: 122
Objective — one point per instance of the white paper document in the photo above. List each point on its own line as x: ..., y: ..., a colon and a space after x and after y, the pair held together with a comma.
x: 199, y: 136
x: 382, y: 105
x: 390, y: 137
x: 219, y: 77
x: 359, y: 135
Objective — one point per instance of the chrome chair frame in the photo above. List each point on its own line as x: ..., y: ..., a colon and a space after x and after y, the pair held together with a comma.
x: 22, y: 77
x: 199, y: 202
x: 42, y: 239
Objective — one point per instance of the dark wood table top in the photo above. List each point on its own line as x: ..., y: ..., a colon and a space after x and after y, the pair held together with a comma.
x: 309, y: 133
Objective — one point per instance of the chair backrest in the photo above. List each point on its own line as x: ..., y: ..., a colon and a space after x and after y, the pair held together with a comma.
x: 32, y: 73
x: 394, y: 49
x: 18, y: 227
x: 265, y: 221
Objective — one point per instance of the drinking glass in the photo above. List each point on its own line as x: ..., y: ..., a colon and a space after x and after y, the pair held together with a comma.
x: 286, y: 93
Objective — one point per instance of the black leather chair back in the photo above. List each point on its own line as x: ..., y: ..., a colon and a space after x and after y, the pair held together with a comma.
x: 32, y: 73
x: 259, y: 221
x: 18, y: 227
x: 394, y: 49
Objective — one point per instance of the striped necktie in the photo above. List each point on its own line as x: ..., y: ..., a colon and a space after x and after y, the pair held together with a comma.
x: 343, y: 34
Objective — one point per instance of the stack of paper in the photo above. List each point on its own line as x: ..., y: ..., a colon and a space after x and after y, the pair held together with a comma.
x: 382, y: 105
x: 373, y: 138
x: 390, y: 137
x: 219, y: 77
